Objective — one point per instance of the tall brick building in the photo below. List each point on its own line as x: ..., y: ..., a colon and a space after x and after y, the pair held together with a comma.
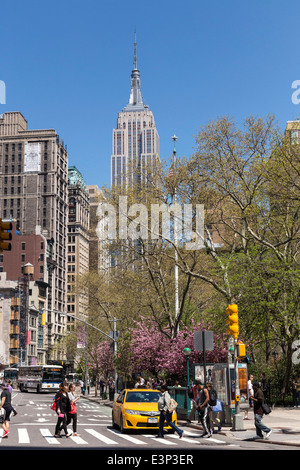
x: 34, y: 192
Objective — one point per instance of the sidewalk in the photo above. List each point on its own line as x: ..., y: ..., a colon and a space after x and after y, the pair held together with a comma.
x: 284, y: 422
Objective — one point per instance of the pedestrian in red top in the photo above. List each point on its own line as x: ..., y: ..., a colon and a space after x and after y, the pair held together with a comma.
x: 196, y: 389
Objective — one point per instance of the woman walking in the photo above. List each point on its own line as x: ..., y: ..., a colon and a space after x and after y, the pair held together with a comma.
x: 72, y: 414
x: 63, y: 406
x: 165, y: 414
x: 5, y: 403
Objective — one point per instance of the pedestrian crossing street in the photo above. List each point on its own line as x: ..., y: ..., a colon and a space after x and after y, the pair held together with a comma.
x: 94, y: 436
x: 35, y: 426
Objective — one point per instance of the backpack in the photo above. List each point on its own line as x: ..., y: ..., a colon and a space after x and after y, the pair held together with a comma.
x: 212, y: 397
x: 173, y: 405
x: 190, y: 393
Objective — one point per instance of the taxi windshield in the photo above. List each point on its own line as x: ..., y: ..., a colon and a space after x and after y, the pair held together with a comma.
x: 142, y: 397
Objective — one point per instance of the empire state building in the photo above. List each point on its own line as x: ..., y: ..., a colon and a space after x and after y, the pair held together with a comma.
x: 135, y: 142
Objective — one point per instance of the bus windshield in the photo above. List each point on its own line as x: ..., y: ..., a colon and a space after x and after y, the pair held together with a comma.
x: 52, y: 374
x: 10, y: 374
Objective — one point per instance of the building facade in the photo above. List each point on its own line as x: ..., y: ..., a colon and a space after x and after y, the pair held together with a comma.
x: 34, y: 192
x: 78, y: 241
x: 29, y: 341
x: 135, y: 140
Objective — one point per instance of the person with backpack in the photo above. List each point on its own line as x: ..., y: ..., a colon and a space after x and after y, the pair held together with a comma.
x: 164, y: 406
x: 213, y: 397
x: 204, y: 410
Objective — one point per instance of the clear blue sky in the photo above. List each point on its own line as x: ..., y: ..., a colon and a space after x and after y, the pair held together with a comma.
x: 67, y: 64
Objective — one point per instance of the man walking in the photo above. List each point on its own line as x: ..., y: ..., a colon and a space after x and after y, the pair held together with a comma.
x: 258, y: 399
x: 250, y: 394
x: 203, y: 408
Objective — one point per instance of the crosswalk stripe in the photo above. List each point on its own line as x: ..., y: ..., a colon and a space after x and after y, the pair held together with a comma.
x: 49, y: 437
x: 160, y: 439
x: 101, y: 437
x: 168, y: 440
x: 185, y: 439
x: 23, y: 436
x: 76, y: 439
x: 128, y: 438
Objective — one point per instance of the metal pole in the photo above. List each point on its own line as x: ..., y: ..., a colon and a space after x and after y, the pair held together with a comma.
x: 92, y: 326
x: 174, y: 138
x: 115, y: 355
x: 204, y: 355
x: 188, y: 371
x: 238, y: 424
x: 86, y: 360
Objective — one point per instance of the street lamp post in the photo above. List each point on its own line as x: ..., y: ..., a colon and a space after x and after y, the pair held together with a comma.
x: 114, y: 339
x: 174, y: 138
x: 187, y: 352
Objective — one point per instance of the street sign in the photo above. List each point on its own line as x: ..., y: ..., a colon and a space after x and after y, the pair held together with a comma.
x: 114, y: 334
x: 203, y: 339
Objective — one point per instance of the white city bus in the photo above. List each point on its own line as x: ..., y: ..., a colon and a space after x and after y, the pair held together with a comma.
x: 44, y: 378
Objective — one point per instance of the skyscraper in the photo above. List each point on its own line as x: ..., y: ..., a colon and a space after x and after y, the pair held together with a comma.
x: 135, y: 144
x: 78, y: 240
x: 34, y: 192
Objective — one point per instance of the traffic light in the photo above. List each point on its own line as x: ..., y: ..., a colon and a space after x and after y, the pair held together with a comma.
x: 232, y: 320
x: 5, y: 235
x: 241, y: 350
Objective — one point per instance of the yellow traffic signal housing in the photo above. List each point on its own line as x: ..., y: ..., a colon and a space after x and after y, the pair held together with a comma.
x: 241, y: 350
x: 5, y: 235
x: 232, y: 320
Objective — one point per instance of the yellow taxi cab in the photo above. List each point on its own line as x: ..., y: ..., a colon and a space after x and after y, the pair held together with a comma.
x: 138, y: 409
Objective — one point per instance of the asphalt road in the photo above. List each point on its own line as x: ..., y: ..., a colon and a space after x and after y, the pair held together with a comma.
x: 34, y: 426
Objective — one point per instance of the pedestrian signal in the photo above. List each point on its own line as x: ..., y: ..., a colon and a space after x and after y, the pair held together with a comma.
x: 232, y: 320
x: 5, y: 235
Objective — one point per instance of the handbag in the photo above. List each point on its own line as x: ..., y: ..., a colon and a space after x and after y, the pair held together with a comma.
x: 218, y: 407
x: 266, y: 409
x: 53, y: 407
x: 73, y: 409
x: 2, y: 415
x: 172, y: 406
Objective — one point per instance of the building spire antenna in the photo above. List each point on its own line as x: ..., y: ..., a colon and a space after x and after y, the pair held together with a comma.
x: 135, y: 56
